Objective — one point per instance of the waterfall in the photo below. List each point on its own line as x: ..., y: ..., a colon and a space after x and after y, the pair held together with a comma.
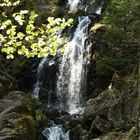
x: 73, y: 4
x: 72, y: 69
x: 72, y: 75
x: 55, y: 133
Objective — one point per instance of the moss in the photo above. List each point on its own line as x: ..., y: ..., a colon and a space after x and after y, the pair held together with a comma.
x: 17, y: 126
x: 41, y: 119
x: 131, y: 134
x: 32, y: 99
x: 25, y: 127
x: 97, y: 27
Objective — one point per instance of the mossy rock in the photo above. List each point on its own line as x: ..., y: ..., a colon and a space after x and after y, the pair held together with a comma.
x: 98, y: 27
x: 17, y: 117
x: 15, y: 126
x: 131, y: 134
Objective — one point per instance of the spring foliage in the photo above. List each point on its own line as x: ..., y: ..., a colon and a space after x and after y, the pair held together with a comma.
x: 20, y: 34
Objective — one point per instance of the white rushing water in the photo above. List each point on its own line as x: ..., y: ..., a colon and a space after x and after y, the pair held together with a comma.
x: 40, y: 73
x: 72, y: 69
x: 73, y: 4
x: 76, y: 49
x: 98, y: 11
x: 71, y: 76
x: 55, y: 133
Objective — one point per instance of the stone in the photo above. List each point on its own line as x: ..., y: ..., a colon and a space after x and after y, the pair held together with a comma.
x: 131, y: 134
x: 74, y: 122
x: 43, y: 95
x: 20, y: 103
x: 64, y: 113
x: 77, y: 133
x: 98, y: 27
x: 16, y: 117
x: 15, y: 126
x: 62, y: 119
x: 101, y: 104
x: 116, y: 108
x: 51, y: 113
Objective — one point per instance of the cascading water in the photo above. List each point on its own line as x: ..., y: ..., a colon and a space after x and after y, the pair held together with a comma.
x: 55, y: 133
x: 72, y: 69
x: 98, y: 10
x: 78, y: 60
x: 71, y: 72
x: 40, y: 73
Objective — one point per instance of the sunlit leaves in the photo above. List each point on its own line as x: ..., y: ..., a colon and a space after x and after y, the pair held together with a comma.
x: 19, y: 34
x: 5, y: 24
x: 9, y: 3
x: 19, y: 17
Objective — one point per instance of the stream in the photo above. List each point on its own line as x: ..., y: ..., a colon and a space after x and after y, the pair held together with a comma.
x: 72, y: 75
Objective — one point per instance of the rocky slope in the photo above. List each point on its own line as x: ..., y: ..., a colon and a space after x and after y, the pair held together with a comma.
x: 17, y: 117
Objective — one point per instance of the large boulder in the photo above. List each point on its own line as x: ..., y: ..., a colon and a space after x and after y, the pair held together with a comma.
x: 101, y: 124
x: 101, y: 105
x: 78, y: 133
x: 15, y: 126
x: 52, y: 113
x: 16, y: 117
x: 16, y: 113
x: 115, y: 108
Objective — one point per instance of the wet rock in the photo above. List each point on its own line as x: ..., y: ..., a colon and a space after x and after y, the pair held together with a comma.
x: 46, y: 96
x: 20, y: 103
x: 52, y: 113
x: 78, y: 133
x: 16, y: 117
x: 15, y: 126
x: 48, y: 78
x: 68, y: 121
x: 67, y: 126
x: 43, y: 95
x: 64, y: 113
x: 75, y: 122
x: 62, y: 119
x: 101, y: 104
x: 114, y: 108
